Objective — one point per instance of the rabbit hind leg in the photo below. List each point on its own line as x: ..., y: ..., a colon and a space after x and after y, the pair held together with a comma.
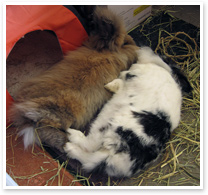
x: 52, y: 134
x: 90, y: 143
x: 89, y: 160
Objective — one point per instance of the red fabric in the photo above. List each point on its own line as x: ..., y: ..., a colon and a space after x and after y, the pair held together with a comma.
x: 22, y: 19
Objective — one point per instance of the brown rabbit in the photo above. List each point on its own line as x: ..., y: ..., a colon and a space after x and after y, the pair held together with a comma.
x: 72, y: 91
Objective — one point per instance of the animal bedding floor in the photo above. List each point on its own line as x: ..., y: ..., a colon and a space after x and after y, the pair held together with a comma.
x: 179, y: 165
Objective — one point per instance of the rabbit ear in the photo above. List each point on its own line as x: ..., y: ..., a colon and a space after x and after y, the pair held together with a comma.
x: 107, y: 30
x: 85, y: 10
x: 114, y: 85
x: 106, y: 23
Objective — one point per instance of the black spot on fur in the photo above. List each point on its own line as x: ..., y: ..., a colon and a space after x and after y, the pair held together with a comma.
x: 181, y: 80
x: 129, y: 76
x: 166, y: 59
x: 102, y: 129
x: 178, y: 75
x: 99, y: 168
x: 123, y: 148
x: 155, y: 125
x: 131, y: 96
x: 141, y: 154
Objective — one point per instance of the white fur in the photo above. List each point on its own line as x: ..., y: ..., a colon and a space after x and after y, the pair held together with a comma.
x: 28, y: 136
x: 146, y: 55
x: 29, y: 109
x: 151, y: 90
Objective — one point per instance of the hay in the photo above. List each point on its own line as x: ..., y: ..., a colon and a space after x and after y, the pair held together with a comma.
x: 56, y: 174
x: 180, y: 164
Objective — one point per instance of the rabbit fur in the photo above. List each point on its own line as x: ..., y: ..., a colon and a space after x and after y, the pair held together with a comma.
x: 72, y: 91
x: 133, y: 127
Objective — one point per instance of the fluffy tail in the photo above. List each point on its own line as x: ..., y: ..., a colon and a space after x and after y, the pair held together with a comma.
x: 37, y: 125
x: 24, y: 115
x: 107, y: 30
x: 29, y: 137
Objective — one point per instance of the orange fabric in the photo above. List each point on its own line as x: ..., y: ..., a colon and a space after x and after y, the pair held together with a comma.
x: 22, y: 19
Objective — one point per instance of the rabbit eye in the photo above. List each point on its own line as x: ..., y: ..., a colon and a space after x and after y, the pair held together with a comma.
x: 129, y: 76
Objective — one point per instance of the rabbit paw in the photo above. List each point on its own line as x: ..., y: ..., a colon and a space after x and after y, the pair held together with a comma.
x: 75, y: 136
x: 72, y: 150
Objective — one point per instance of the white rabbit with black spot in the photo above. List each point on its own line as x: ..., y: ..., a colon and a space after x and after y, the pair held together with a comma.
x: 133, y: 127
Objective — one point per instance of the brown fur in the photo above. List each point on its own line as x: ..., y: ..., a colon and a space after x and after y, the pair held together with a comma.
x: 72, y: 91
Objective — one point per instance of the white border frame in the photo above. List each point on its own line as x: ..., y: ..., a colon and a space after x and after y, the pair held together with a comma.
x: 39, y: 2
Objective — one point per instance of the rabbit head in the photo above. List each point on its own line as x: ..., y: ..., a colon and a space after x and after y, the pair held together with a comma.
x: 107, y: 31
